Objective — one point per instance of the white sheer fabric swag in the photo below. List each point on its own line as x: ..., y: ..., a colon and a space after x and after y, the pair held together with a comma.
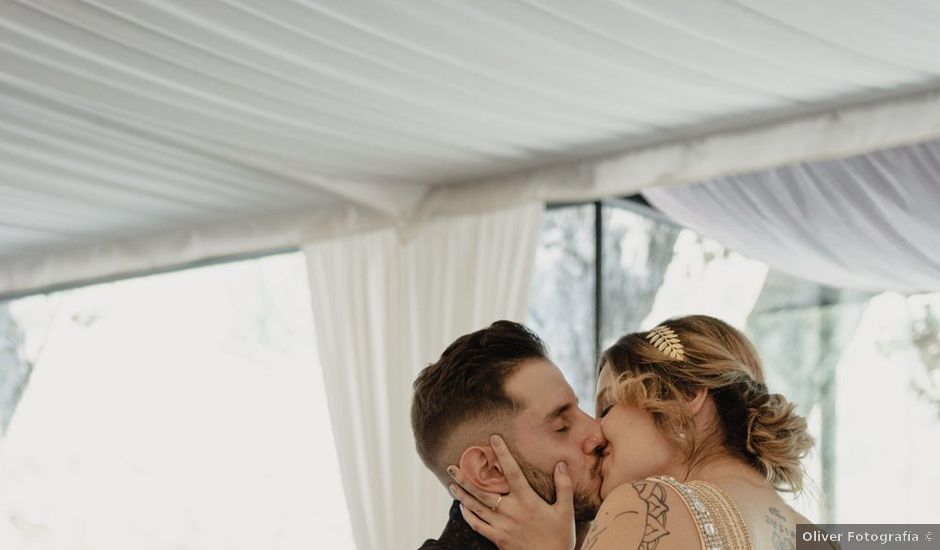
x: 868, y: 222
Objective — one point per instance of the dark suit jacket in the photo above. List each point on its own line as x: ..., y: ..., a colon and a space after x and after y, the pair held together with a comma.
x: 458, y: 535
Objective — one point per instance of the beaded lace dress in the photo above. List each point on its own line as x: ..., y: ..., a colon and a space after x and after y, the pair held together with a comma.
x: 717, y: 518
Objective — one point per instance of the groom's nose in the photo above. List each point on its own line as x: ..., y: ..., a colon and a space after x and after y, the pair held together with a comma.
x: 596, y: 441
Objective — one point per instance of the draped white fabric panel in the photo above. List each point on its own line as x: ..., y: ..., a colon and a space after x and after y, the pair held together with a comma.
x: 384, y: 308
x: 869, y: 222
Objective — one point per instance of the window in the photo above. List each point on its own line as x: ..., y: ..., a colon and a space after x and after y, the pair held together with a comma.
x: 183, y: 410
x: 562, y: 296
x: 864, y: 369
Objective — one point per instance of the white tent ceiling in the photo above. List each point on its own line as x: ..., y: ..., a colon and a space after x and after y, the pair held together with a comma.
x: 133, y: 118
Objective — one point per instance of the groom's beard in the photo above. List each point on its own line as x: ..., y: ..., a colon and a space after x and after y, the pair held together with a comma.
x: 586, y: 501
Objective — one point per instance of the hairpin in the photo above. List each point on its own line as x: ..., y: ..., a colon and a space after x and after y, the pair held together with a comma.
x: 666, y: 341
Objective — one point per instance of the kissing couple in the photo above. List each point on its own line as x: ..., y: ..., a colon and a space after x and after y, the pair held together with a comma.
x: 687, y: 447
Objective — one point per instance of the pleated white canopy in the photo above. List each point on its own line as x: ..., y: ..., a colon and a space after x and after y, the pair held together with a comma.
x: 141, y: 134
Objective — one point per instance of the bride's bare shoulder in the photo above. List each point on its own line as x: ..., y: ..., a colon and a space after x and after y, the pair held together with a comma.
x: 775, y: 522
x: 641, y: 514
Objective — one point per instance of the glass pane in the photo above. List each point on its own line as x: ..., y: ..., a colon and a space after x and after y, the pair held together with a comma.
x: 637, y: 252
x: 703, y: 277
x: 888, y: 431
x: 802, y: 331
x: 183, y: 410
x: 15, y: 369
x: 561, y: 308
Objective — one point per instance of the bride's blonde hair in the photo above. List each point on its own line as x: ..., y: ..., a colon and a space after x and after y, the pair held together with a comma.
x: 657, y: 370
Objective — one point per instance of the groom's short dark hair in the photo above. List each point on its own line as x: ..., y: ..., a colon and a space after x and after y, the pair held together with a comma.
x: 467, y: 384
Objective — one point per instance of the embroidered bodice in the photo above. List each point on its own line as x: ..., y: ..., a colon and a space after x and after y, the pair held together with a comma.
x: 717, y: 518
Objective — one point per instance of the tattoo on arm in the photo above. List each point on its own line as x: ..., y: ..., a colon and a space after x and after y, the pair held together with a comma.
x: 782, y: 536
x: 653, y: 496
x: 592, y: 539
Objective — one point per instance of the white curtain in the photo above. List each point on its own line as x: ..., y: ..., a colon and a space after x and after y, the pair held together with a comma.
x: 384, y: 308
x: 868, y: 222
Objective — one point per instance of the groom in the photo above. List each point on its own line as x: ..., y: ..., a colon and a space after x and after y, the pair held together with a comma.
x: 499, y: 380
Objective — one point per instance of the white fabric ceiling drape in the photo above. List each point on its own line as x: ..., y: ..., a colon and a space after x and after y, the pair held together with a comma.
x: 383, y: 310
x: 758, y: 145
x: 142, y: 135
x: 868, y: 222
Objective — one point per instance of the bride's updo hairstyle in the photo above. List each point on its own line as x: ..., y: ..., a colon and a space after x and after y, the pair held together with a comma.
x: 659, y: 369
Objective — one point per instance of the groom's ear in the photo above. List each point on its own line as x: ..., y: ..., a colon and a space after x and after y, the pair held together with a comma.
x: 479, y: 466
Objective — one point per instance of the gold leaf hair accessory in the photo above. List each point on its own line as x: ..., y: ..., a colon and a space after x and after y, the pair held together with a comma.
x: 666, y: 341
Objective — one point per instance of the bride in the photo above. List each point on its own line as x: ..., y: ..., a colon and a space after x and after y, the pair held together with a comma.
x: 697, y: 452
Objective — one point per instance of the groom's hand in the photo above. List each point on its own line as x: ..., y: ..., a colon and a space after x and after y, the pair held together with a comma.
x: 520, y: 519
